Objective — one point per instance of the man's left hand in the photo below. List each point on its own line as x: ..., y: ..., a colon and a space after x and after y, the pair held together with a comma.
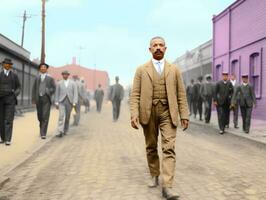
x: 184, y: 123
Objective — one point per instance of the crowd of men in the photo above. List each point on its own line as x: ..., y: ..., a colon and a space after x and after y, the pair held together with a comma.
x: 68, y: 95
x: 226, y: 95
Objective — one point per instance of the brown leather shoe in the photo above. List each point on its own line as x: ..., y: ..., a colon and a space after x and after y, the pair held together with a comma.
x: 153, y: 182
x: 169, y: 194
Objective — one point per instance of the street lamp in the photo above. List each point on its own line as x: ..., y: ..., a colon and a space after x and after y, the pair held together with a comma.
x: 43, y: 32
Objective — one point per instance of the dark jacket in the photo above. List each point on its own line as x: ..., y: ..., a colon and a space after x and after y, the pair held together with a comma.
x: 16, y: 86
x: 223, y: 92
x: 50, y: 88
x: 245, y: 94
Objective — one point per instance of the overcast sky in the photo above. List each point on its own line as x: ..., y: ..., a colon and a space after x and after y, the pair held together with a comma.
x: 114, y: 34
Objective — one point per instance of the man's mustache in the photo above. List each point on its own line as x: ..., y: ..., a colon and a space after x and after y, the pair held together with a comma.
x: 158, y: 51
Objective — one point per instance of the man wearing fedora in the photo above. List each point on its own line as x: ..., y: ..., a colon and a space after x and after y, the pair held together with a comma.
x: 222, y: 100
x: 158, y: 102
x: 66, y: 97
x: 42, y: 92
x: 9, y: 90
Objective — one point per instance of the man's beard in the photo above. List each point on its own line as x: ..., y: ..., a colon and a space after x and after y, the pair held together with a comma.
x: 158, y: 55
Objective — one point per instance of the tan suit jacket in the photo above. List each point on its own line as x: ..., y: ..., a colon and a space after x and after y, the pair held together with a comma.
x: 142, y: 93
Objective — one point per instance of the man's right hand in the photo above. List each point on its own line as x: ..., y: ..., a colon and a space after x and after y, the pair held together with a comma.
x: 135, y: 122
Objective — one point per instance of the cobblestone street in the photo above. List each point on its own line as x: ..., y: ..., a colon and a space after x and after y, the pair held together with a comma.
x: 102, y: 160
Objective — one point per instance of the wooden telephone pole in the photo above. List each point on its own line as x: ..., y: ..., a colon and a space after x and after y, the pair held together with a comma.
x: 43, y: 32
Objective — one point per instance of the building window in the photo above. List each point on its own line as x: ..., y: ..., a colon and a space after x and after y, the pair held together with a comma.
x: 255, y: 73
x: 235, y: 69
x: 218, y: 72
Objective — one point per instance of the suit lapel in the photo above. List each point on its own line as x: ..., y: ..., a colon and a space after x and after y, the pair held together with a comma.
x: 149, y: 69
x: 166, y: 69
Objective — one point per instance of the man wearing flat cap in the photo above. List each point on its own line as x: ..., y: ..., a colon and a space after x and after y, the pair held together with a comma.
x: 158, y: 102
x: 247, y: 100
x: 222, y: 100
x: 42, y: 92
x: 9, y: 90
x: 66, y: 97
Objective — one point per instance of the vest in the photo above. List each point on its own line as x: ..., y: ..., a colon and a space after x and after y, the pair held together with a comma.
x: 42, y: 87
x: 6, y: 84
x: 159, y: 88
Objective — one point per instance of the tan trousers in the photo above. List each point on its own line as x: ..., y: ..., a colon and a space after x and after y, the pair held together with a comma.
x: 161, y: 120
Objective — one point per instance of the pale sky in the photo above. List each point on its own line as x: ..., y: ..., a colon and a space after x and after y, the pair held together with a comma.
x: 114, y: 34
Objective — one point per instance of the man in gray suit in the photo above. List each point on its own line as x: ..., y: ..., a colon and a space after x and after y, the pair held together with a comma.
x: 98, y: 96
x: 116, y: 96
x: 189, y: 91
x: 236, y: 107
x: 81, y: 98
x: 207, y: 93
x: 42, y: 91
x: 66, y: 97
x: 247, y: 100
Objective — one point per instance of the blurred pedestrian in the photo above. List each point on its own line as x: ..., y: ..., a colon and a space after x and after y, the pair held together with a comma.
x: 116, y: 96
x: 236, y: 106
x: 189, y: 91
x: 98, y: 97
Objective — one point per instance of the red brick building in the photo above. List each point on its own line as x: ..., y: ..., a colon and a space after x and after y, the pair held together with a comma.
x: 91, y: 77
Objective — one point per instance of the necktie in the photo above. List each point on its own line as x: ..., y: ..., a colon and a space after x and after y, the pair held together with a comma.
x: 159, y: 68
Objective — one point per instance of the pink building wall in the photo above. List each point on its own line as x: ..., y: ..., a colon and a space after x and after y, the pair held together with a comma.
x: 239, y: 46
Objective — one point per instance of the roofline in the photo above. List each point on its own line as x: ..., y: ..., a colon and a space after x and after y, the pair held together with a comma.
x: 17, y: 55
x: 81, y: 67
x: 226, y: 10
x: 14, y: 43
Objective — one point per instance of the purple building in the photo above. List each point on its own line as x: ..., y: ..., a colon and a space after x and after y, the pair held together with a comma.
x: 239, y: 46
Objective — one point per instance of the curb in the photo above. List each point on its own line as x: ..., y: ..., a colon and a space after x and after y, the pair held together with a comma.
x: 4, y: 177
x: 240, y: 136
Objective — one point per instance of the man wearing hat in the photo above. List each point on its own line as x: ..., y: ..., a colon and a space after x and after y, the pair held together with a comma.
x: 42, y: 92
x: 197, y: 99
x: 66, y: 97
x: 189, y: 91
x: 9, y: 90
x: 116, y: 96
x: 207, y: 93
x: 247, y: 100
x: 222, y: 100
x: 236, y: 107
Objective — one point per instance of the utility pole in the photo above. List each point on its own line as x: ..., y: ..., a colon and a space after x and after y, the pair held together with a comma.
x: 24, y: 18
x: 43, y: 32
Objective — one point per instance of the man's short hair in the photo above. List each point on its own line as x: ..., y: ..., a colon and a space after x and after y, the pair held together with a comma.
x: 157, y: 37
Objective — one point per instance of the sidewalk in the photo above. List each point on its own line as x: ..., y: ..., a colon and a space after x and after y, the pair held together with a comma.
x: 25, y: 140
x: 257, y: 131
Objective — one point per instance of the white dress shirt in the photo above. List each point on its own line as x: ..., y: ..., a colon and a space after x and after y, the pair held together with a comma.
x: 43, y: 76
x: 159, y: 65
x: 233, y: 82
x: 6, y: 72
x: 66, y: 82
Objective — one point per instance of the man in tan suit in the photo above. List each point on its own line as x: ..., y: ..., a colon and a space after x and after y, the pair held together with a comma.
x: 158, y: 102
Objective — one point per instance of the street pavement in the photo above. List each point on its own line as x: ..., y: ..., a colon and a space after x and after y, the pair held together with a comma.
x: 103, y: 160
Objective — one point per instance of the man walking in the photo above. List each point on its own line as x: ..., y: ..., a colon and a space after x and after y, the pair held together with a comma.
x: 81, y: 98
x: 197, y: 99
x: 207, y: 93
x: 9, y: 90
x: 222, y: 100
x: 98, y: 96
x: 189, y: 91
x: 116, y: 96
x: 66, y: 97
x: 236, y: 106
x: 158, y: 101
x: 247, y: 100
x: 42, y: 92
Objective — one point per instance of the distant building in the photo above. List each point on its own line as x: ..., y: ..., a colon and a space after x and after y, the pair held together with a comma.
x: 91, y: 77
x: 25, y: 68
x: 197, y: 62
x: 239, y: 46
